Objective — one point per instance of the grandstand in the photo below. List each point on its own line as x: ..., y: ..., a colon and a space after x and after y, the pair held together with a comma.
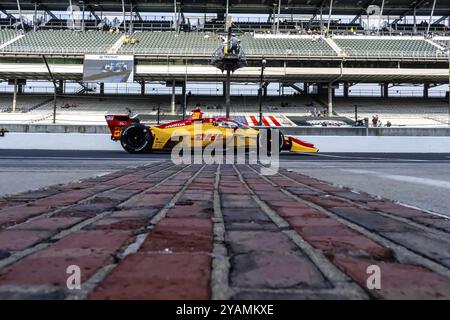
x: 292, y: 46
x: 56, y: 41
x: 172, y: 43
x: 202, y: 44
x: 311, y: 48
x: 6, y: 36
x: 90, y: 110
x: 387, y: 46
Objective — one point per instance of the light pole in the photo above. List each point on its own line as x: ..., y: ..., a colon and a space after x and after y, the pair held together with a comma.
x: 261, y: 81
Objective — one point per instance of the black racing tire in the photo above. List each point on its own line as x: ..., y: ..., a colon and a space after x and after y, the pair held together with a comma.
x: 269, y: 142
x: 137, y: 138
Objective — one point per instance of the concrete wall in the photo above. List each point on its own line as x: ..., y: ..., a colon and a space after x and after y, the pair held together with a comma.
x: 55, y: 128
x: 304, y: 131
x: 76, y: 141
x: 381, y: 144
x: 58, y: 141
x: 340, y: 131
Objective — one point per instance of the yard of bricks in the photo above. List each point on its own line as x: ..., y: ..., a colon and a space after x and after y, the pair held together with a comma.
x: 166, y: 231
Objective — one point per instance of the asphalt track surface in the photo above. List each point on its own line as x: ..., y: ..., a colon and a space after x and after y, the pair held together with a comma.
x: 418, y: 180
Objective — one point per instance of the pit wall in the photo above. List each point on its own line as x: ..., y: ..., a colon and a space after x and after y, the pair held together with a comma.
x: 303, y: 131
x: 355, y: 144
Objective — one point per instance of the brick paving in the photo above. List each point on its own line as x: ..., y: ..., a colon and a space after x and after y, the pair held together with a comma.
x: 168, y: 231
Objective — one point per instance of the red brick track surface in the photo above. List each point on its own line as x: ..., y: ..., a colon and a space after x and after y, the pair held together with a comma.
x: 217, y: 232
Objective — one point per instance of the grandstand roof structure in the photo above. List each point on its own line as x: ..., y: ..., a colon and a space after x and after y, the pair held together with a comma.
x: 339, y: 7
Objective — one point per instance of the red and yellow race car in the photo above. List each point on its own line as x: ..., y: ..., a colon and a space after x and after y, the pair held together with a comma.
x: 136, y: 137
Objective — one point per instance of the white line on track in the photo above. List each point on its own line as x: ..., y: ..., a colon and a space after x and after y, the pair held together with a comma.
x: 368, y: 158
x: 76, y: 158
x: 423, y: 181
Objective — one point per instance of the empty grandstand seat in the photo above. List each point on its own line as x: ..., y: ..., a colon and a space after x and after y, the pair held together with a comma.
x: 6, y: 35
x: 58, y: 41
x: 281, y: 46
x: 199, y: 43
x: 171, y: 43
x: 391, y: 47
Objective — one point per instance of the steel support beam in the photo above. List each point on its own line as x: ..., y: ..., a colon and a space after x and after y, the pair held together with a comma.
x: 431, y: 16
x: 61, y: 87
x: 441, y: 19
x: 55, y: 88
x: 91, y: 9
x: 123, y: 16
x: 385, y: 90
x: 363, y: 10
x: 130, y: 26
x: 71, y: 14
x: 6, y: 13
x: 321, y: 21
x: 318, y: 10
x: 296, y: 88
x: 426, y: 87
x: 35, y: 17
x: 228, y: 94
x: 416, y: 6
x: 137, y: 11
x: 346, y: 87
x: 14, y: 96
x: 175, y: 23
x: 183, y: 100
x: 172, y: 102
x: 82, y: 18
x: 226, y: 14
x: 330, y: 99
x: 329, y: 15
x: 20, y: 14
x: 278, y: 16
x: 274, y: 19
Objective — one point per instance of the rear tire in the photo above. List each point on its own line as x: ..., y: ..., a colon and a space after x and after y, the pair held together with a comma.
x: 137, y: 138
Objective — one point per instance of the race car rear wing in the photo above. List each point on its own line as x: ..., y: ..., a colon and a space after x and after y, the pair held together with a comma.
x: 116, y: 124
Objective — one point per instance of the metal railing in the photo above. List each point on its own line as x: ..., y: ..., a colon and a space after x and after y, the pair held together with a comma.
x: 392, y: 54
x: 376, y: 92
x: 135, y: 89
x: 15, y: 49
x: 207, y: 52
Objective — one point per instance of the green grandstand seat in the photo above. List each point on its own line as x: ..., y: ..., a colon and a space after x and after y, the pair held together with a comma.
x: 399, y: 47
x: 171, y: 43
x: 57, y: 41
x: 6, y: 35
x: 286, y: 46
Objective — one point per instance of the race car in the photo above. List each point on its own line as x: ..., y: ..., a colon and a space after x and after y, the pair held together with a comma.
x: 115, y: 67
x: 136, y: 137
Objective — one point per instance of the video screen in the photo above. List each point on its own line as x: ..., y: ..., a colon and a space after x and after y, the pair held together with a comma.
x: 108, y: 68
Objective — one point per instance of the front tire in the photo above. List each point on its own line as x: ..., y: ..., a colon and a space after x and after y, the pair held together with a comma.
x: 136, y: 138
x: 267, y: 145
